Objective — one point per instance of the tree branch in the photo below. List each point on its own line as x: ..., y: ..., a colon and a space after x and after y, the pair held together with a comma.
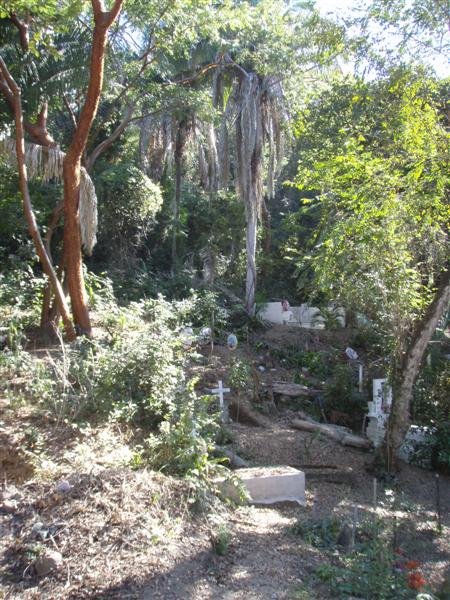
x: 27, y: 206
x: 24, y: 33
x: 70, y: 111
x: 103, y: 146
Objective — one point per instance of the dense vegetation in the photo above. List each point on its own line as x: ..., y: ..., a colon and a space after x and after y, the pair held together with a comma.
x: 223, y: 159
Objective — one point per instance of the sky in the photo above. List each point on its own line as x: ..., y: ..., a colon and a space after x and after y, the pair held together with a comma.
x: 341, y: 8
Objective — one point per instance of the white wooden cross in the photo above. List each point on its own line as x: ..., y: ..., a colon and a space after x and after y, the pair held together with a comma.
x: 220, y: 391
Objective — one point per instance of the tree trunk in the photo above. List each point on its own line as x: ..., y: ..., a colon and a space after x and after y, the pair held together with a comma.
x: 28, y: 209
x: 180, y: 144
x: 409, y: 369
x: 176, y: 211
x: 251, y: 235
x: 267, y: 232
x: 46, y: 321
x: 72, y: 165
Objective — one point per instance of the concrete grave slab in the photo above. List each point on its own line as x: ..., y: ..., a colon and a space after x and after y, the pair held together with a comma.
x: 268, y: 485
x: 301, y: 316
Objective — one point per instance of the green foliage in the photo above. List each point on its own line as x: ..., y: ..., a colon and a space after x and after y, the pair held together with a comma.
x: 317, y: 363
x: 129, y: 202
x: 239, y: 374
x: 20, y: 295
x: 185, y: 437
x: 220, y: 540
x: 368, y: 572
x: 441, y: 455
x: 320, y: 534
x: 380, y: 180
x: 203, y: 308
x: 340, y: 392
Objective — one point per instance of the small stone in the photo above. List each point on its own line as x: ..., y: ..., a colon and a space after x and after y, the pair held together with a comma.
x: 49, y: 561
x: 63, y: 487
x: 261, y: 368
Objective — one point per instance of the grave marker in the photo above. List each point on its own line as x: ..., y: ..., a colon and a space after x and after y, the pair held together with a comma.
x: 268, y: 485
x: 220, y: 391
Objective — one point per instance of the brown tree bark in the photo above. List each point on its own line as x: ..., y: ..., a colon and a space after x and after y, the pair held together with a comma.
x: 27, y: 206
x: 72, y: 165
x: 46, y: 320
x: 404, y: 381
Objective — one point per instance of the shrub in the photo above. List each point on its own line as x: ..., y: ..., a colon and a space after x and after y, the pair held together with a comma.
x: 340, y: 393
x: 20, y: 297
x: 185, y: 437
x: 129, y: 202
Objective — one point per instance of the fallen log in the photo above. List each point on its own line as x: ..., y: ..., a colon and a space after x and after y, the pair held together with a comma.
x: 234, y: 459
x: 356, y: 441
x: 334, y: 432
x: 344, y: 476
x: 338, y: 433
x: 293, y: 389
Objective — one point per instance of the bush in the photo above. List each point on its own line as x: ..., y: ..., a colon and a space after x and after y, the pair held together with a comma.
x: 340, y: 393
x: 370, y: 571
x: 129, y: 202
x: 20, y: 303
x: 137, y: 375
x: 441, y: 453
x: 186, y: 436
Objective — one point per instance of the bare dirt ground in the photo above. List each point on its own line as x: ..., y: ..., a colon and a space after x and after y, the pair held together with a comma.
x: 136, y: 534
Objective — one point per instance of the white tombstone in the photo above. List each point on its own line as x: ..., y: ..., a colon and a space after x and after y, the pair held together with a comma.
x: 379, y: 410
x: 304, y: 315
x: 268, y: 485
x: 382, y: 394
x: 272, y: 312
x: 220, y: 391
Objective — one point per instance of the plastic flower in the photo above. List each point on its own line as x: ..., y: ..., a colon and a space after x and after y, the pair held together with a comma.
x: 416, y: 581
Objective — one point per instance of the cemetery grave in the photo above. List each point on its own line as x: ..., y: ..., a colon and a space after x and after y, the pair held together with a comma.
x: 298, y: 472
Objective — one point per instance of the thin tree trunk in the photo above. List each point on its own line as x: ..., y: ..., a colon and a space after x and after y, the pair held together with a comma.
x: 178, y: 160
x: 251, y: 235
x: 28, y: 209
x: 400, y: 416
x: 176, y: 212
x: 47, y: 297
x: 72, y: 166
x: 266, y: 221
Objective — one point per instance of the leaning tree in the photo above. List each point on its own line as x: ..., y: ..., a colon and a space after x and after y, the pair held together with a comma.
x: 24, y: 20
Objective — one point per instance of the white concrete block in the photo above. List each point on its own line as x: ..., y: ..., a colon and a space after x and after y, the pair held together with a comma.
x: 304, y: 315
x: 268, y: 485
x: 272, y: 312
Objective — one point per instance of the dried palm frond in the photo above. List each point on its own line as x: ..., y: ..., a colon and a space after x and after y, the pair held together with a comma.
x: 47, y: 163
x: 155, y: 144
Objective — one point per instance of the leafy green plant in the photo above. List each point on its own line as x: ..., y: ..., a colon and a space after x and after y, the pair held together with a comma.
x: 129, y: 202
x: 320, y: 534
x: 220, y: 540
x: 340, y: 392
x: 239, y: 375
x: 186, y: 436
x: 370, y: 571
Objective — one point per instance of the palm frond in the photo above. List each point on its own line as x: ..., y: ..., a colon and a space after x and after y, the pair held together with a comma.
x: 47, y: 164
